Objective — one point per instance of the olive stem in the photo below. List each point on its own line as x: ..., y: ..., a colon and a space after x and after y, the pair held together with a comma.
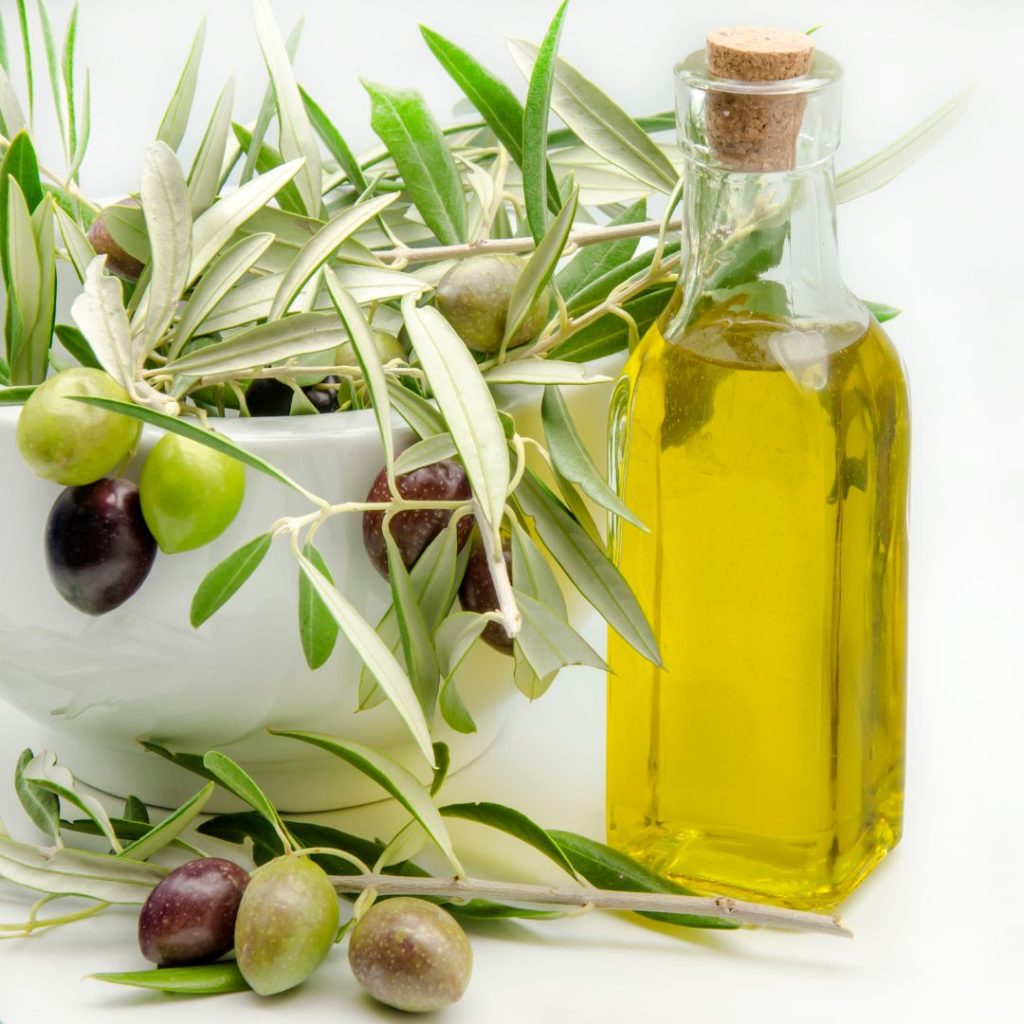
x: 579, y: 237
x: 722, y: 907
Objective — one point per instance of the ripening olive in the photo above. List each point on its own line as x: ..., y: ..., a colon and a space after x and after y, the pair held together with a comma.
x: 119, y: 262
x: 189, y: 917
x: 477, y: 593
x: 474, y: 298
x: 98, y: 547
x: 286, y: 925
x: 70, y: 442
x: 190, y: 493
x: 411, y: 954
x: 413, y: 530
x: 269, y: 397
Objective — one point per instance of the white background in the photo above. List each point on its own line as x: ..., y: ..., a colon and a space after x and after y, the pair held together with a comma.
x: 938, y: 925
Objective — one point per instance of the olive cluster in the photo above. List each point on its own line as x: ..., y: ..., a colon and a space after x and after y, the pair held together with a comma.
x: 282, y: 920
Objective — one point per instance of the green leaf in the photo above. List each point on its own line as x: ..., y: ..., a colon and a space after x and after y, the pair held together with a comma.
x: 233, y: 777
x: 453, y: 710
x: 26, y: 46
x: 317, y: 628
x: 223, y: 581
x: 135, y: 810
x: 175, y: 119
x: 513, y: 823
x: 402, y: 120
x: 203, y: 980
x: 84, y: 129
x: 594, y: 261
x: 751, y: 256
x: 16, y: 396
x: 443, y: 761
x: 67, y: 65
x: 881, y: 312
x: 267, y: 158
x: 212, y: 440
x: 12, y: 120
x: 532, y: 573
x: 126, y: 224
x: 190, y: 762
x: 399, y: 782
x: 296, y: 136
x: 420, y: 414
x: 425, y: 453
x: 587, y: 566
x: 66, y: 872
x: 606, y: 868
x: 535, y: 128
x: 76, y: 244
x: 539, y: 268
x: 597, y: 290
x: 204, y: 177
x: 600, y: 123
x: 572, y: 460
x: 335, y: 142
x: 51, y: 64
x: 41, y: 805
x: 466, y: 404
x: 165, y: 832
x: 4, y: 64
x: 383, y: 665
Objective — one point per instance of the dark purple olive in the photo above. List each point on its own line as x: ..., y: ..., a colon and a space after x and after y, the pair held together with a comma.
x: 414, y: 529
x: 269, y: 397
x: 321, y: 398
x: 119, y: 262
x: 477, y: 593
x: 189, y: 917
x: 98, y: 547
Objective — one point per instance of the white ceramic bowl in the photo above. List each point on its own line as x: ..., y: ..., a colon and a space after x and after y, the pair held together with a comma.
x: 141, y: 671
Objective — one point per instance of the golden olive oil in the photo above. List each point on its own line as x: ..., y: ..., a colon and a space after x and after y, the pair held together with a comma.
x: 769, y: 460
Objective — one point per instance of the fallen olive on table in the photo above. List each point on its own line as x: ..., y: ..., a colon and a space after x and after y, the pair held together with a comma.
x: 477, y: 593
x: 189, y: 917
x: 98, y: 547
x: 414, y: 529
x: 410, y: 954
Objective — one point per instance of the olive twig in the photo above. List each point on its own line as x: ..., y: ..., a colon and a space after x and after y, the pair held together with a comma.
x: 722, y: 907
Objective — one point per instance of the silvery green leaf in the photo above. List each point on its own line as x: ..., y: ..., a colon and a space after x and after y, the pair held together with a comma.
x: 41, y: 338
x: 398, y: 781
x: 587, y: 566
x: 127, y: 226
x: 212, y: 229
x: 361, y: 337
x: 204, y: 177
x: 267, y: 158
x: 572, y: 459
x: 575, y: 503
x: 532, y: 573
x: 600, y: 123
x: 42, y: 806
x: 266, y: 343
x: 222, y: 276
x: 244, y: 303
x: 527, y: 681
x: 82, y: 141
x: 175, y: 120
x: 296, y: 136
x: 76, y: 245
x: 44, y: 772
x: 13, y: 120
x: 425, y: 453
x: 406, y: 844
x: 880, y: 169
x: 533, y: 370
x: 420, y: 414
x: 24, y: 283
x: 321, y: 247
x: 377, y: 284
x: 383, y: 665
x: 67, y: 65
x: 454, y: 712
x: 467, y: 405
x: 51, y: 63
x: 165, y: 832
x: 539, y: 268
x: 65, y: 872
x: 453, y: 641
x: 100, y: 315
x: 169, y: 226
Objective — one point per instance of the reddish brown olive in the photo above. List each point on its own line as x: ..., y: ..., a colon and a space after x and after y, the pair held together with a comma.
x: 119, y: 262
x: 477, y: 593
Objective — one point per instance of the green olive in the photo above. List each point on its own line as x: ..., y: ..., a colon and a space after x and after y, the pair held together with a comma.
x: 411, y: 954
x: 189, y: 493
x: 73, y: 443
x: 287, y: 923
x: 474, y: 298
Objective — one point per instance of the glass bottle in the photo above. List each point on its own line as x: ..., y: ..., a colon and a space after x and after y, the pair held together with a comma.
x: 760, y: 431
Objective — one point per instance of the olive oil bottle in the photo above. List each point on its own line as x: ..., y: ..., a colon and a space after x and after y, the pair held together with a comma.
x: 760, y: 431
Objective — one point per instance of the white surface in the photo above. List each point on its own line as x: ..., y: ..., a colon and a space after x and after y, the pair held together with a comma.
x: 937, y: 926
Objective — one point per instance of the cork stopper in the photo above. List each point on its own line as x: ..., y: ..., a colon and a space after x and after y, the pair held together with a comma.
x: 750, y: 131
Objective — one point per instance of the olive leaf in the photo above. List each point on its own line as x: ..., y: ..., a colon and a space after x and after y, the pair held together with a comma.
x: 453, y: 710
x: 587, y: 566
x: 403, y: 122
x: 204, y: 176
x: 233, y: 777
x: 296, y: 136
x: 317, y: 628
x: 390, y: 775
x: 42, y: 806
x: 407, y: 842
x: 882, y: 312
x: 266, y: 159
x: 420, y: 414
x: 201, y: 980
x: 224, y: 580
x: 165, y: 832
x: 599, y: 122
x: 43, y: 772
x: 425, y: 453
x: 598, y: 289
x: 126, y: 224
x: 335, y: 142
x: 594, y: 261
x: 535, y: 128
x: 537, y: 370
x: 135, y: 810
x: 12, y: 120
x: 175, y: 119
x: 382, y: 664
x: 17, y: 395
x: 443, y: 762
x: 572, y: 460
x: 50, y: 47
x: 99, y: 313
x: 76, y: 244
x: 532, y: 573
x: 190, y: 762
x: 67, y: 67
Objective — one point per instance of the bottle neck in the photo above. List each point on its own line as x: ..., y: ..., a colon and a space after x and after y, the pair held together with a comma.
x: 762, y: 243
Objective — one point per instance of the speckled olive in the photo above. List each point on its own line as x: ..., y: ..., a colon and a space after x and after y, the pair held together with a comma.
x: 477, y: 593
x: 474, y: 295
x: 411, y: 954
x: 286, y: 925
x: 189, y: 917
x: 98, y: 547
x: 414, y: 529
x: 119, y: 262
